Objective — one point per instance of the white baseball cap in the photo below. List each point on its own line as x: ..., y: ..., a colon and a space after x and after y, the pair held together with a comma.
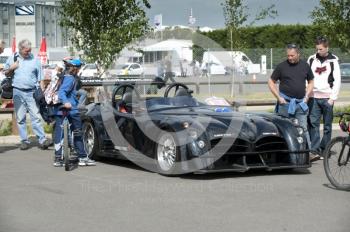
x: 61, y: 65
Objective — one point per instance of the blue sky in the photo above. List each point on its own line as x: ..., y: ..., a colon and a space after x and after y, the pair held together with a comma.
x: 210, y: 13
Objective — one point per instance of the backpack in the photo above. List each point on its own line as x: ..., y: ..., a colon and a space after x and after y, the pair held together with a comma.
x: 6, y: 83
x: 330, y: 77
x: 51, y: 92
x: 45, y: 110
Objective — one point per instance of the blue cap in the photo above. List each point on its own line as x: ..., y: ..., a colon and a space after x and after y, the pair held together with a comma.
x: 74, y: 62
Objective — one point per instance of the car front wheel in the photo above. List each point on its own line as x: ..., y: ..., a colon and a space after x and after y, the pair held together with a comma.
x: 167, y: 154
x: 90, y: 140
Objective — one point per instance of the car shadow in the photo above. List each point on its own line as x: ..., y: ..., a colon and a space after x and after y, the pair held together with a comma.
x: 250, y: 173
x: 207, y: 176
x: 122, y: 163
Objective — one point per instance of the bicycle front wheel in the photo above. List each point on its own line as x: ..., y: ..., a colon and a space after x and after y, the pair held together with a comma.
x: 336, y: 163
x: 66, y: 149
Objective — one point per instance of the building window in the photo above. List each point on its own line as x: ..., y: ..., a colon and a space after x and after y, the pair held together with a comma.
x: 6, y: 36
x: 24, y: 10
x: 5, y: 21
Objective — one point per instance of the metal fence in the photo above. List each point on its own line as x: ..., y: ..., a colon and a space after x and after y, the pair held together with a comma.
x: 274, y: 55
x: 216, y: 61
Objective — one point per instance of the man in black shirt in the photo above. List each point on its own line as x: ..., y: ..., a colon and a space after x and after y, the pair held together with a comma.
x: 293, y: 93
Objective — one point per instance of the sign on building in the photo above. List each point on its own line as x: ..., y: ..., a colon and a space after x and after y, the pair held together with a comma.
x: 25, y: 23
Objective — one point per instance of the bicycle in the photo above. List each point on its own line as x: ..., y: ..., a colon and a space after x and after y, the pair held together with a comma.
x: 337, y: 154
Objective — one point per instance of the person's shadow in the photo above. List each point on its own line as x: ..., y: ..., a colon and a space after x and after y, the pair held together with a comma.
x: 9, y: 147
x: 5, y: 148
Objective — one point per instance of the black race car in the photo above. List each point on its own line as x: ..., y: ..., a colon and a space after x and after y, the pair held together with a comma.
x: 177, y: 134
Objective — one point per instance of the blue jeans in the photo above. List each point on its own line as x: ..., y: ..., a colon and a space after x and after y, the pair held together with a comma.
x: 319, y: 107
x: 24, y: 102
x: 76, y: 127
x: 82, y: 96
x: 300, y: 115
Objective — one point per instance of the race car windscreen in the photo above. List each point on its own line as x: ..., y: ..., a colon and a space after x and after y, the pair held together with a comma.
x: 163, y: 103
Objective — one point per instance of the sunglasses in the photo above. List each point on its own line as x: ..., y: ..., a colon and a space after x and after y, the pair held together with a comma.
x: 321, y: 38
x: 289, y: 46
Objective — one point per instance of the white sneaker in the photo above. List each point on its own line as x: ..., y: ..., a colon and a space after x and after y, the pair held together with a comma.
x: 86, y: 162
x: 58, y: 162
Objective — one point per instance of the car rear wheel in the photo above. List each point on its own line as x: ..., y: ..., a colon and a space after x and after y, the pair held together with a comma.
x: 167, y: 154
x: 90, y: 140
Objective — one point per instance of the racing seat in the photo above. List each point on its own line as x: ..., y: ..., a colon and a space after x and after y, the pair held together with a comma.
x: 182, y: 92
x: 125, y: 105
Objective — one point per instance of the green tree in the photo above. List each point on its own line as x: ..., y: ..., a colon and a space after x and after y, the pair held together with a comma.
x: 334, y: 17
x: 102, y: 28
x: 235, y: 13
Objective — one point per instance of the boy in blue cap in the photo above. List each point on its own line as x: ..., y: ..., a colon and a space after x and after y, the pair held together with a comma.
x: 67, y: 95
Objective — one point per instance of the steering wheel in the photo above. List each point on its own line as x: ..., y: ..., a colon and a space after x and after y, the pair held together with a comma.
x: 174, y: 85
x: 124, y: 88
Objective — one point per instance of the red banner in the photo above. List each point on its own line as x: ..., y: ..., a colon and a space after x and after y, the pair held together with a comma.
x: 42, y: 52
x: 13, y: 45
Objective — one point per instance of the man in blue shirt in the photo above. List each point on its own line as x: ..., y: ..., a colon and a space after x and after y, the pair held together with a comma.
x: 27, y: 76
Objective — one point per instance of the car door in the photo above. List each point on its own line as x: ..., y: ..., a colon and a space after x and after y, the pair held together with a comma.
x: 131, y: 136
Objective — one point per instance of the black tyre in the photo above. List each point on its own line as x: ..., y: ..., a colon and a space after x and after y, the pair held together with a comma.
x: 337, y: 165
x: 167, y: 155
x: 66, y: 148
x: 90, y: 140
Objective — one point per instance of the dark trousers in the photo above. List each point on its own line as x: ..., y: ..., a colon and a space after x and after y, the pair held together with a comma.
x: 169, y: 75
x: 319, y: 107
x: 76, y: 127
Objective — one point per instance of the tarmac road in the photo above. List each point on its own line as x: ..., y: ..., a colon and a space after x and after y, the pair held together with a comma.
x: 118, y: 196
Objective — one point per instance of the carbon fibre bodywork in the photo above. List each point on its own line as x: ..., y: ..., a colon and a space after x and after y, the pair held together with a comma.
x: 205, y: 140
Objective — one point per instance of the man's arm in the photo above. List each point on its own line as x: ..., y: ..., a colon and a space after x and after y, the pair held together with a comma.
x: 274, y: 91
x: 64, y: 90
x: 309, y: 88
x: 310, y: 83
x: 10, y: 68
x: 40, y: 76
x: 336, y: 83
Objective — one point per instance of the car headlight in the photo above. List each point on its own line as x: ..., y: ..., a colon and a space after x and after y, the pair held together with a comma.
x: 300, y: 140
x: 190, y: 131
x: 193, y: 134
x: 185, y: 125
x: 295, y: 121
x: 201, y: 144
x: 300, y: 130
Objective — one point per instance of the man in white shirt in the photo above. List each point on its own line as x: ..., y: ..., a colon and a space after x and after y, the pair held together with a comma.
x: 325, y: 67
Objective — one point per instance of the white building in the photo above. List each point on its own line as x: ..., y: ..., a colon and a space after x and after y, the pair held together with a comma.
x: 31, y: 20
x: 177, y: 49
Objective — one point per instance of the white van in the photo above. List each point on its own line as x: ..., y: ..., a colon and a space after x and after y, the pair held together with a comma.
x: 228, y: 60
